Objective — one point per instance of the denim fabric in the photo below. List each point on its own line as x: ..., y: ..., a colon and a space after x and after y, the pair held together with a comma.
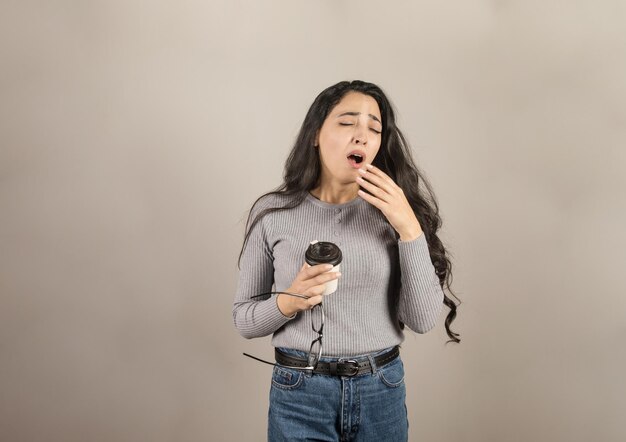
x: 308, y: 406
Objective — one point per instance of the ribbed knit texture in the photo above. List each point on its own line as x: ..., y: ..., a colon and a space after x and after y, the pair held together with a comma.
x: 384, y: 280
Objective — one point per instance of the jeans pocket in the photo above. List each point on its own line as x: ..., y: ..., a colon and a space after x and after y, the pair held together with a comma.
x: 287, y: 378
x: 392, y: 374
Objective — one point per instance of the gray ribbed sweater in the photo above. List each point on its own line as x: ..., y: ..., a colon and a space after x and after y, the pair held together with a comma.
x: 384, y: 280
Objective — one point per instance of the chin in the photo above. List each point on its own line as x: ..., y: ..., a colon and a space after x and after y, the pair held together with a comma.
x: 349, y: 181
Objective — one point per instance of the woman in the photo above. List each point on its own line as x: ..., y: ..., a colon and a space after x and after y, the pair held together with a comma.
x: 349, y: 180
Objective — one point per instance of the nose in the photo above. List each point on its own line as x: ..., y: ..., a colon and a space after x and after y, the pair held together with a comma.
x: 360, y: 135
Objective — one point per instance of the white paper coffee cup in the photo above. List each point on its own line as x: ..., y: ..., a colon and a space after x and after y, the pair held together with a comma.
x: 322, y: 252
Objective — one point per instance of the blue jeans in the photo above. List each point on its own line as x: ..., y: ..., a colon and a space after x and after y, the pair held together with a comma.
x: 308, y: 406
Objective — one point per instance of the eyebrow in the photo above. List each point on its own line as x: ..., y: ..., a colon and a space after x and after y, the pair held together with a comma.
x: 355, y: 114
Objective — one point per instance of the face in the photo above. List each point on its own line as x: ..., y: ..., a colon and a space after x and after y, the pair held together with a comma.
x: 350, y: 137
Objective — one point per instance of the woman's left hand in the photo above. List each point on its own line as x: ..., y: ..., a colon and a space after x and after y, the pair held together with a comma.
x: 389, y: 198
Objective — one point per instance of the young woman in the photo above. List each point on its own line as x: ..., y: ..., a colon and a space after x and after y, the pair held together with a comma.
x: 350, y: 179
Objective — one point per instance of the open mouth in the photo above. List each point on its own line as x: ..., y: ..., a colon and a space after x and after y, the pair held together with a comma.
x: 356, y: 159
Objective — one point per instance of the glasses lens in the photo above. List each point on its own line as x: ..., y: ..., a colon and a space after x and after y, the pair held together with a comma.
x: 317, y: 322
x: 315, y: 352
x: 317, y: 318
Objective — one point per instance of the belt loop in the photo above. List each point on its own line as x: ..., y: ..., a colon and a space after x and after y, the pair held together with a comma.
x: 333, y: 368
x: 372, y: 364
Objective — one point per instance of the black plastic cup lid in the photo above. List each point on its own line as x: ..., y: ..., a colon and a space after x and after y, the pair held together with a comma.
x: 323, y: 252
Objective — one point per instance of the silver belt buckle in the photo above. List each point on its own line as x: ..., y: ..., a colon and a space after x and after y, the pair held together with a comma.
x: 354, y: 364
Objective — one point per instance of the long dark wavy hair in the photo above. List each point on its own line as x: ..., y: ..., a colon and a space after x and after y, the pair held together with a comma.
x: 303, y: 168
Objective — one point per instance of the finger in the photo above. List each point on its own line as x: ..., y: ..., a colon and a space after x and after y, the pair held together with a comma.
x: 323, y: 278
x: 376, y: 191
x: 382, y: 175
x: 316, y: 290
x: 376, y: 170
x: 314, y: 300
x: 380, y: 179
x: 372, y: 199
x: 315, y: 270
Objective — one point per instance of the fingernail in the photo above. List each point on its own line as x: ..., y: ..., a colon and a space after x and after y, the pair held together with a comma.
x: 363, y: 171
x: 329, y: 266
x: 369, y: 166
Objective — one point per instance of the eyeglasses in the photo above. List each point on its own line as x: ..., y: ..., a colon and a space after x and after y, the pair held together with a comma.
x: 317, y: 324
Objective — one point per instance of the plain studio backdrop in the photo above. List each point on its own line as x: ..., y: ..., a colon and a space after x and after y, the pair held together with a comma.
x: 135, y: 136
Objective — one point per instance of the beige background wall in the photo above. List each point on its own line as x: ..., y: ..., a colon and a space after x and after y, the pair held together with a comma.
x: 134, y: 136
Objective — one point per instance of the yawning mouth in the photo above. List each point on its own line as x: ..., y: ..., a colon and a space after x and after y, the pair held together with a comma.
x: 356, y: 158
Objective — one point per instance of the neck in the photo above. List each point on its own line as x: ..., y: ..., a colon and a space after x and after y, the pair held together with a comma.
x: 335, y: 193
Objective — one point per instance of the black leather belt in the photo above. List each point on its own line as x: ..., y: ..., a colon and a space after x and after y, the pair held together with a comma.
x: 350, y: 367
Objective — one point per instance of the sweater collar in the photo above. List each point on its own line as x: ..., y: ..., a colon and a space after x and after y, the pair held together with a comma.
x: 326, y: 205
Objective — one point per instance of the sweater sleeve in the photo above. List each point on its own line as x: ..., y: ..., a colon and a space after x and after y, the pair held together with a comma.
x: 421, y: 296
x: 254, y: 318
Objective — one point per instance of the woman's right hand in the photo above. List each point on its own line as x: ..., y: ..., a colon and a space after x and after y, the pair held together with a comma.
x: 310, y: 282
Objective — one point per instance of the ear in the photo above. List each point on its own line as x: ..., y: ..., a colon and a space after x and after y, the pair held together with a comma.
x: 317, y: 139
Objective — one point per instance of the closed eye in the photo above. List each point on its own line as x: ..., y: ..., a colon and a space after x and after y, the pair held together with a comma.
x: 371, y: 128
